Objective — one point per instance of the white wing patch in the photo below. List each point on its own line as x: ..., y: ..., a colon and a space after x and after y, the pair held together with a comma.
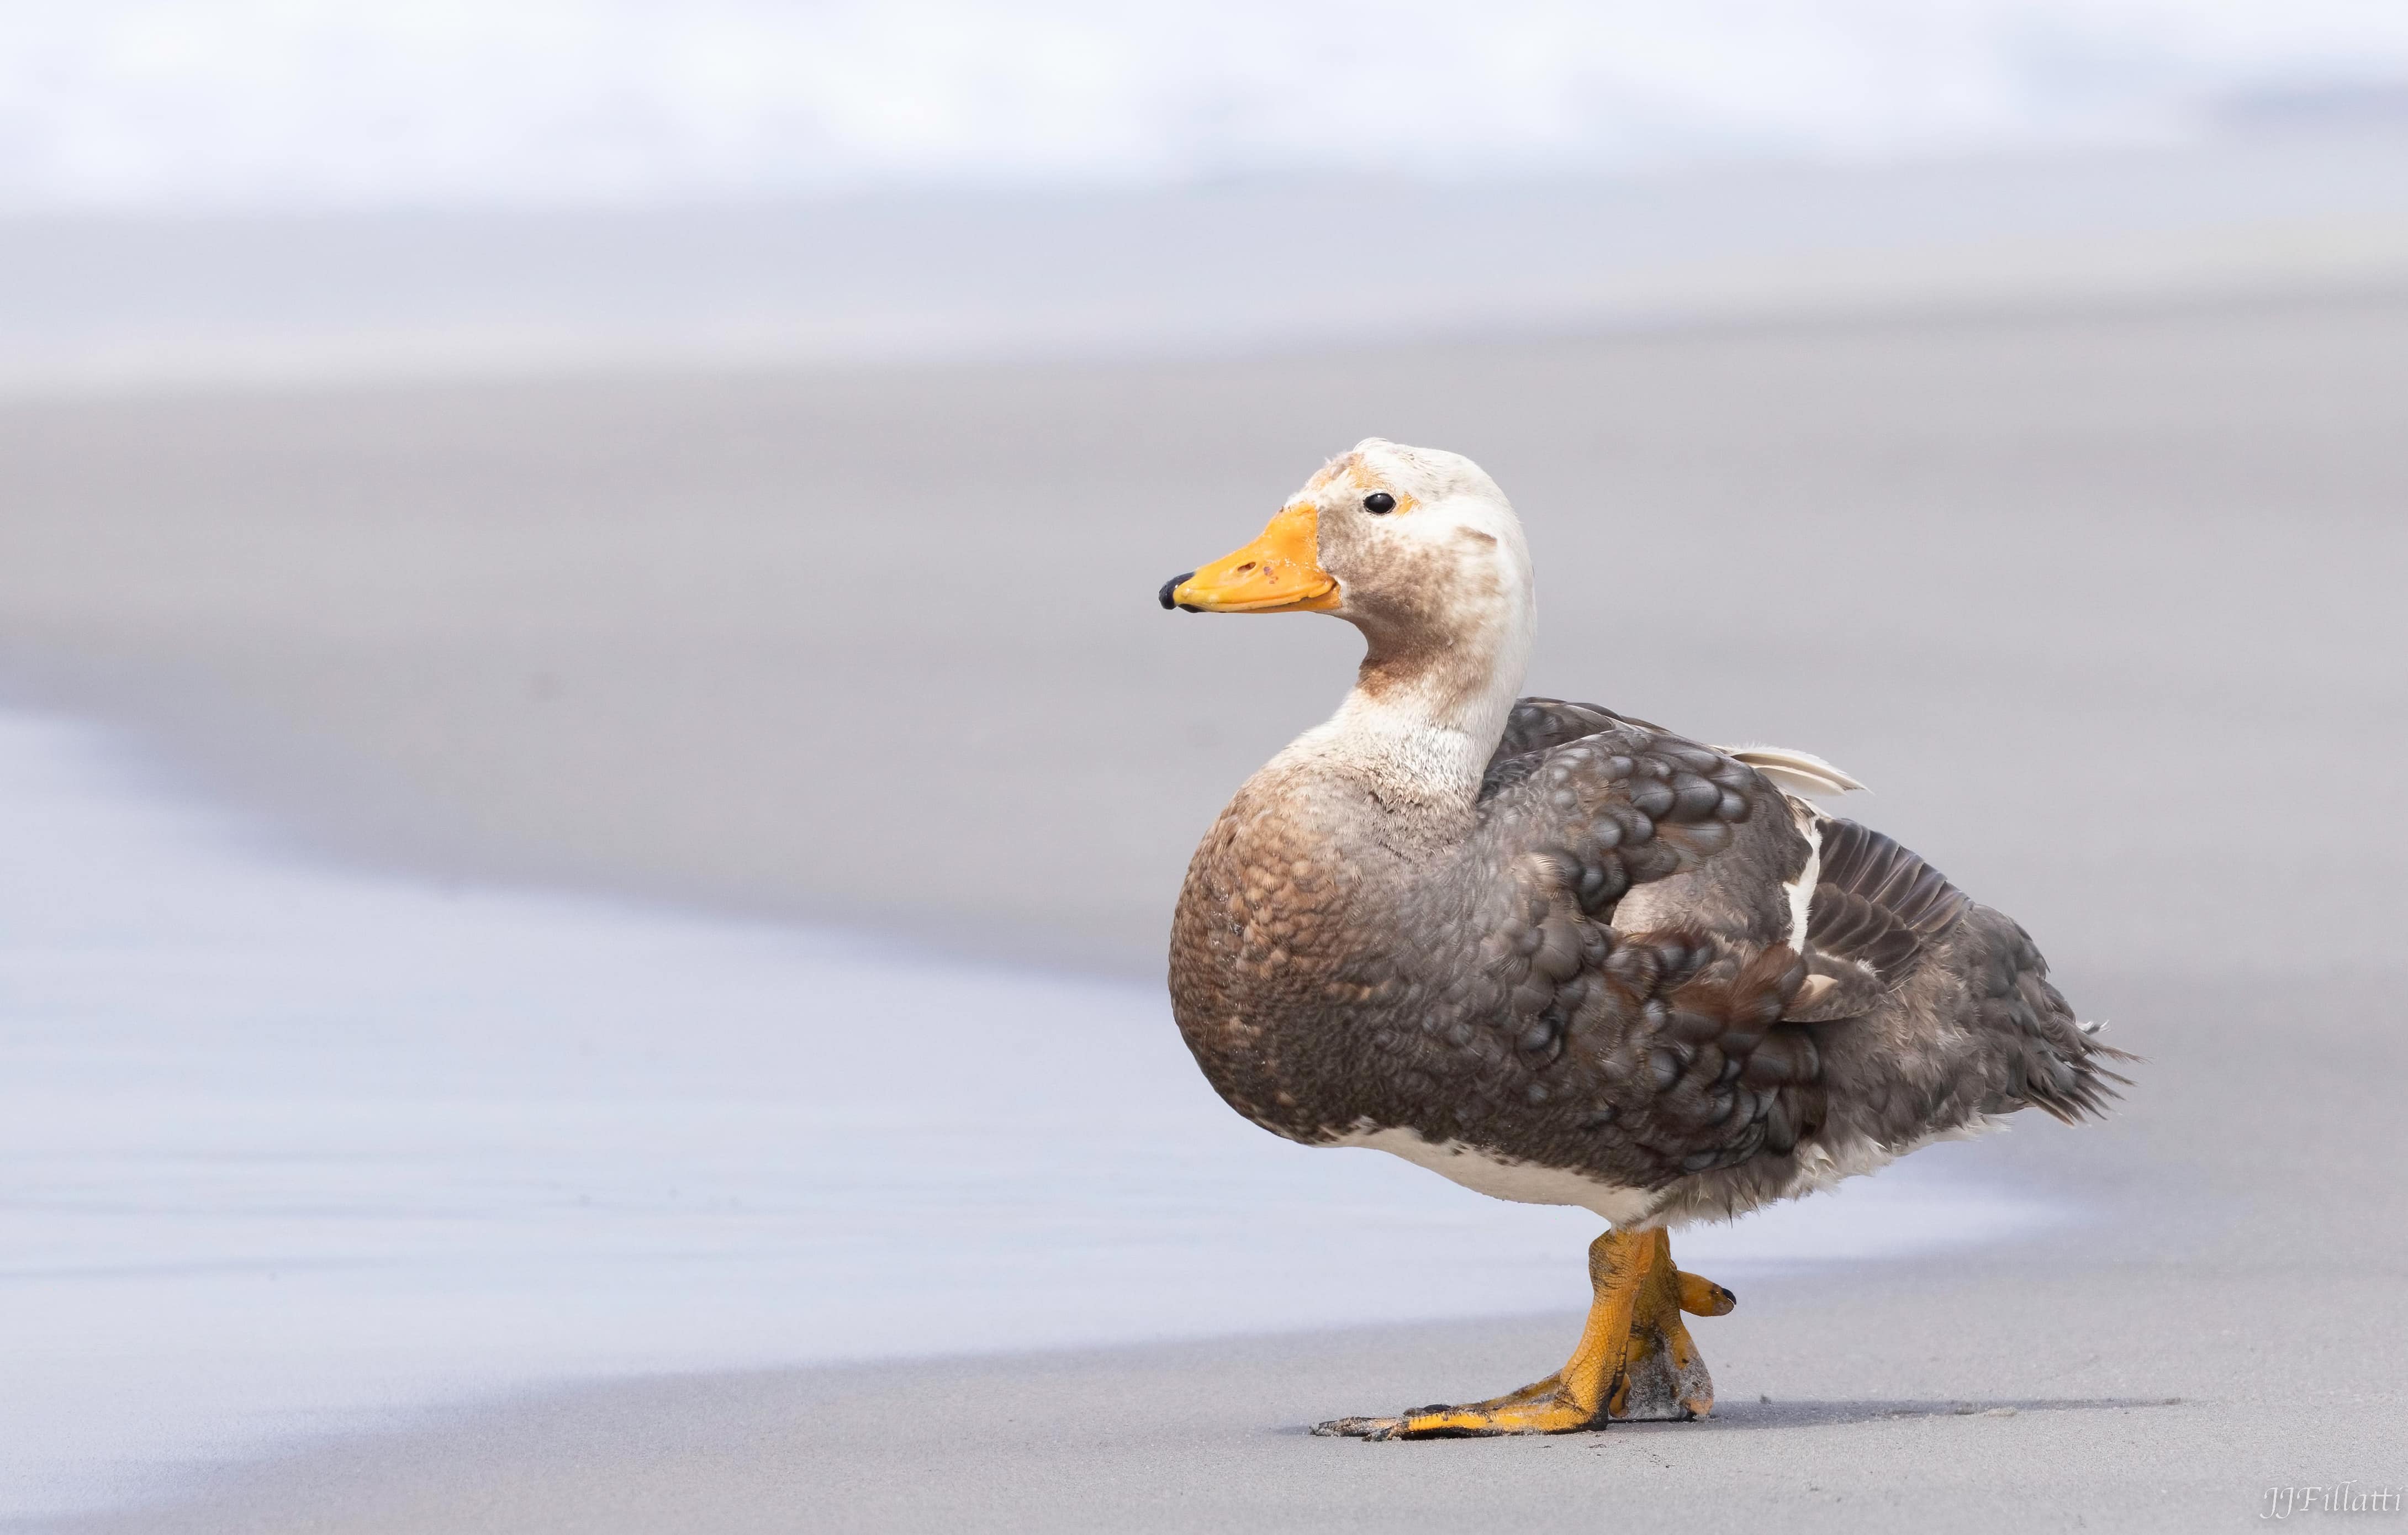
x: 1800, y: 890
x: 1800, y: 772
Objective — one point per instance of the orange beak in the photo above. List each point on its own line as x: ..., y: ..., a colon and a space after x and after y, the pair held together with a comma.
x: 1278, y: 573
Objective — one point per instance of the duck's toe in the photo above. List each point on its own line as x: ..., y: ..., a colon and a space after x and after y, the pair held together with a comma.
x: 1472, y: 1421
x: 1542, y: 1407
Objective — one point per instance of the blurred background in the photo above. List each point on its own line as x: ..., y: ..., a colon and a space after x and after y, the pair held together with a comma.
x: 710, y: 464
x: 283, y: 192
x: 612, y: 443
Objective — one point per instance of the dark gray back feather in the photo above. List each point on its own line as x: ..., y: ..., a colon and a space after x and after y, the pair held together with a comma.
x: 1877, y: 902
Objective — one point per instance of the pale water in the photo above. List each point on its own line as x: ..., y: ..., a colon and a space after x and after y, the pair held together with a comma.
x: 291, y: 1147
x: 131, y: 104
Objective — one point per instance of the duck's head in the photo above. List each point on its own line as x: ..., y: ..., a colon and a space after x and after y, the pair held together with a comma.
x: 1414, y: 546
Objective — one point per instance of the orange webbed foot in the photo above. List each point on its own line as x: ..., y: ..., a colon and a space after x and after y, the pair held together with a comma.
x: 1635, y: 1360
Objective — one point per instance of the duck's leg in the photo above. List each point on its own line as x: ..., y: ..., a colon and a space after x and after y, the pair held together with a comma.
x: 1634, y: 1360
x: 1664, y: 1378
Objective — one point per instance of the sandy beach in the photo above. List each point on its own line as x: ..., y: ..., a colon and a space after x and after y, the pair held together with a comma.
x: 2220, y: 1325
x: 882, y: 646
x: 2100, y: 599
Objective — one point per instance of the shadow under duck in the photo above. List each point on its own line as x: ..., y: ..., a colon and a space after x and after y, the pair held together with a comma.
x: 1564, y: 956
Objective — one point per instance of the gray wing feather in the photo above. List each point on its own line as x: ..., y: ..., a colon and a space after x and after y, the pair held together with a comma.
x: 1877, y: 903
x: 1665, y: 1049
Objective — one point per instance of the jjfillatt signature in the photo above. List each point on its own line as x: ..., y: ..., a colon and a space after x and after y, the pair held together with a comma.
x: 2338, y: 1498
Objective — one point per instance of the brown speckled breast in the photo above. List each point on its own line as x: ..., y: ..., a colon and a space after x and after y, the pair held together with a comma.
x: 1334, y: 970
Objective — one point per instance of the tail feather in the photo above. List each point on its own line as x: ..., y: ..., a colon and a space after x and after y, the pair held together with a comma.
x: 1801, y: 772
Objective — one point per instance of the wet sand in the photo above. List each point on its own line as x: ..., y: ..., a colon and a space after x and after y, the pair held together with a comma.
x: 2225, y: 1324
x: 2104, y: 603
x: 883, y: 647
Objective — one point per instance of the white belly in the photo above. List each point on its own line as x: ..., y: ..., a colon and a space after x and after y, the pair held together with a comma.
x: 1501, y: 1178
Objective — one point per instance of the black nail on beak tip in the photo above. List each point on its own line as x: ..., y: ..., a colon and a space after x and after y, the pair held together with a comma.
x: 1172, y: 585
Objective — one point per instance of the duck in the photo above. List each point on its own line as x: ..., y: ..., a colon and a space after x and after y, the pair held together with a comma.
x: 1562, y: 955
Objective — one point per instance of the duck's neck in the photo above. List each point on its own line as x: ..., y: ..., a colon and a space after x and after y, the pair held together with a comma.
x: 1424, y: 717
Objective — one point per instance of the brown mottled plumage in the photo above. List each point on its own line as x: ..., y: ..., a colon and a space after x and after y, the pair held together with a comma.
x: 1483, y: 993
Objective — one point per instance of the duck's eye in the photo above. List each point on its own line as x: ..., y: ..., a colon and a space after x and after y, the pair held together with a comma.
x: 1380, y: 502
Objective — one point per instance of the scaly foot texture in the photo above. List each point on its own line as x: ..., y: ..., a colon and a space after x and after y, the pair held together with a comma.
x: 1635, y: 1361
